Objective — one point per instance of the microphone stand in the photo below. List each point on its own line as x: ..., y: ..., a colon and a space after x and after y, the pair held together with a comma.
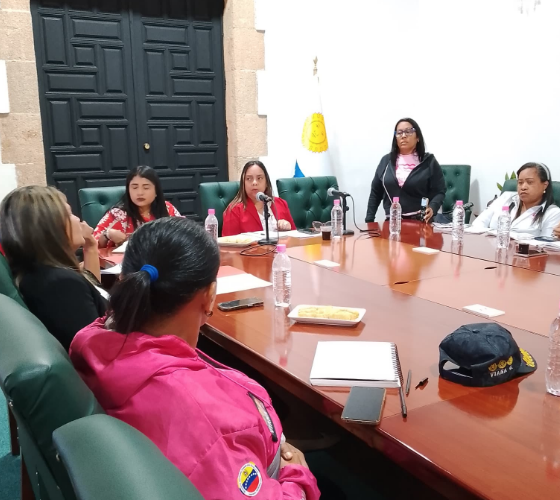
x: 345, y: 208
x: 267, y: 240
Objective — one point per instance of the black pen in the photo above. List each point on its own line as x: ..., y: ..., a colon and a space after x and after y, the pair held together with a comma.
x: 408, y: 382
x: 422, y: 383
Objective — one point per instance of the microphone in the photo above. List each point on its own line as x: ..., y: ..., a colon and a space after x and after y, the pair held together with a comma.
x: 263, y: 197
x: 335, y: 192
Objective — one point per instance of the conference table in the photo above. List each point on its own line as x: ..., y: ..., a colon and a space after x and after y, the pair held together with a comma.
x: 464, y: 442
x: 495, y: 443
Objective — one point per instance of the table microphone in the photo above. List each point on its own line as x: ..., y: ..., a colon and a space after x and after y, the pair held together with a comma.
x: 335, y: 192
x: 263, y: 197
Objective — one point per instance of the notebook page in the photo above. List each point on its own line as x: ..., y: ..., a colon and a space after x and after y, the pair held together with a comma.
x: 354, y: 360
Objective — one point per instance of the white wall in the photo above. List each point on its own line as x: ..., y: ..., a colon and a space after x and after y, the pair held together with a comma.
x: 8, y: 179
x: 481, y: 79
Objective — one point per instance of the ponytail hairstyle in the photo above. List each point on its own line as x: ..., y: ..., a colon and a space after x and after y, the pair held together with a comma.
x: 548, y: 197
x: 166, y: 263
x: 35, y: 229
x: 158, y: 207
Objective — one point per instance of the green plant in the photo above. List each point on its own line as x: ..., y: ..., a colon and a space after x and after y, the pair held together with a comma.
x: 508, y: 177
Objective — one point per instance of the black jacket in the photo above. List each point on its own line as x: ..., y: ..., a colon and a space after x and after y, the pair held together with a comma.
x: 425, y: 181
x: 62, y: 299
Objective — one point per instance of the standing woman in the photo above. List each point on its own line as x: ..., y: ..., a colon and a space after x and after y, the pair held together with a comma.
x: 40, y: 236
x: 142, y: 202
x: 246, y: 214
x: 409, y: 173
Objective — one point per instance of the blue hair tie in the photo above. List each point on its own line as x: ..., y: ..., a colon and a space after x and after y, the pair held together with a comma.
x: 152, y: 271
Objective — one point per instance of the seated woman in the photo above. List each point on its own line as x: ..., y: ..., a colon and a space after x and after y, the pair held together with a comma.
x: 245, y: 213
x: 214, y: 423
x: 531, y: 207
x: 40, y: 237
x: 409, y: 173
x: 142, y: 202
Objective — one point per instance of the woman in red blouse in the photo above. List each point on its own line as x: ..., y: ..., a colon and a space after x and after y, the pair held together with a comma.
x: 142, y: 202
x: 245, y: 213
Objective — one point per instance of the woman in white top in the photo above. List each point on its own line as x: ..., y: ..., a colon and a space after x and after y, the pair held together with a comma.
x: 531, y: 208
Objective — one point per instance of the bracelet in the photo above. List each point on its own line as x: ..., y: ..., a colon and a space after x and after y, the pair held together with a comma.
x: 106, y: 234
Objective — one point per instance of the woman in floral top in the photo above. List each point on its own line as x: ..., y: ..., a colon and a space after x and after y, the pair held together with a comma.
x: 142, y: 202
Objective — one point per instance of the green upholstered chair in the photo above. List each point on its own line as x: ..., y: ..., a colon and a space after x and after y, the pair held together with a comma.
x: 96, y: 201
x: 43, y: 391
x: 108, y: 459
x: 7, y: 286
x: 307, y: 198
x: 511, y: 185
x: 458, y: 182
x: 217, y: 195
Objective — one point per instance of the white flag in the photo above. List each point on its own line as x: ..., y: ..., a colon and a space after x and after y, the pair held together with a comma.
x: 313, y: 152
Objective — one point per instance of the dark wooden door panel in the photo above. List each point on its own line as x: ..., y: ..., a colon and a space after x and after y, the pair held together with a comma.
x: 126, y: 83
x: 179, y: 89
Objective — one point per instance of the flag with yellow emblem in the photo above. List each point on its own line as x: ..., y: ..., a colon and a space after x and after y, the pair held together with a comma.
x: 313, y: 152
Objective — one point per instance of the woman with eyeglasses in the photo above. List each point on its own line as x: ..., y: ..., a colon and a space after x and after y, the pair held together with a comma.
x: 409, y: 173
x: 531, y: 207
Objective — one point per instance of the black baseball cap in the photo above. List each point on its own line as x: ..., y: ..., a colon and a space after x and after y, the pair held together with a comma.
x: 485, y: 354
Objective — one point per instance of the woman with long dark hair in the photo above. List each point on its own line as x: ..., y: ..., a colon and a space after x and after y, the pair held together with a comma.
x: 40, y: 236
x: 214, y: 423
x: 142, y: 202
x: 409, y: 173
x: 246, y: 214
x: 531, y: 207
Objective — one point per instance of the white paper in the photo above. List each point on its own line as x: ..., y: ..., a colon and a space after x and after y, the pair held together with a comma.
x: 112, y: 270
x: 326, y: 263
x: 483, y: 311
x: 426, y: 250
x: 122, y: 248
x: 476, y: 230
x: 349, y: 363
x: 240, y: 282
x: 103, y: 293
x: 297, y: 234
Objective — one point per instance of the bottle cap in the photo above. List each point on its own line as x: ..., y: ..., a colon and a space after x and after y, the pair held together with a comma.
x: 459, y: 203
x: 281, y: 248
x: 337, y: 202
x: 396, y: 199
x: 505, y: 208
x: 211, y: 211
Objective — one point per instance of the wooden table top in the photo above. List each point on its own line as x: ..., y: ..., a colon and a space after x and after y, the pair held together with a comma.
x: 494, y: 443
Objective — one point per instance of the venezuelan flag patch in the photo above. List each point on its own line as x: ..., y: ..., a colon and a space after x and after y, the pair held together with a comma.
x: 249, y: 480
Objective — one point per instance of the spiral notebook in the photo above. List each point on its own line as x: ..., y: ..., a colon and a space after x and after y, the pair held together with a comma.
x: 356, y: 364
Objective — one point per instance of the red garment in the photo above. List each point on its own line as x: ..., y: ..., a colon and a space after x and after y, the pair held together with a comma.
x: 118, y: 219
x: 214, y: 423
x: 1, y: 249
x: 246, y: 220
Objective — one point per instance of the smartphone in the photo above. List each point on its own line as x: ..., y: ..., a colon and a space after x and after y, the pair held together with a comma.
x: 364, y: 405
x: 307, y: 231
x: 233, y: 305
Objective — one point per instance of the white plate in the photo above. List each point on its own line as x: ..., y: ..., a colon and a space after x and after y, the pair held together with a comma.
x: 223, y: 242
x: 321, y: 321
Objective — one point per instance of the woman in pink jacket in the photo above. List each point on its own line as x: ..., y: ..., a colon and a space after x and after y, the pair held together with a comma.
x: 214, y: 423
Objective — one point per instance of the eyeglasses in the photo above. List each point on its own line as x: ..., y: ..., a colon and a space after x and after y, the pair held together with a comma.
x: 406, y: 132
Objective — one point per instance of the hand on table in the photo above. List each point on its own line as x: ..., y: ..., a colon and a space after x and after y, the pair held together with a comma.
x: 290, y: 455
x: 284, y: 225
x: 556, y: 231
x: 116, y: 236
x: 429, y: 214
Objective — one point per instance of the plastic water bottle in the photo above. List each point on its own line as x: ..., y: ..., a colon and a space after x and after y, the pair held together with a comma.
x: 458, y: 228
x: 552, y: 375
x: 504, y: 226
x: 211, y: 224
x: 336, y: 220
x: 395, y: 216
x: 282, y: 277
